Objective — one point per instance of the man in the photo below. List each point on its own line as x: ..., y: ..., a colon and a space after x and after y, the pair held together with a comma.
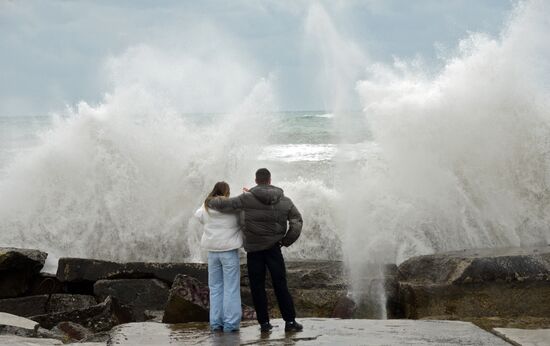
x: 266, y: 213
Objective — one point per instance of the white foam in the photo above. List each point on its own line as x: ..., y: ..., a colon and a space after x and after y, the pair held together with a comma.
x: 298, y: 152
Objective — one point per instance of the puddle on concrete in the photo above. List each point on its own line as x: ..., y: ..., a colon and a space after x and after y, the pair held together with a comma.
x: 316, y: 332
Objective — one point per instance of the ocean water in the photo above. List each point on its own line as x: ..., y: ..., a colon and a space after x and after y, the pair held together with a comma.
x: 304, y: 141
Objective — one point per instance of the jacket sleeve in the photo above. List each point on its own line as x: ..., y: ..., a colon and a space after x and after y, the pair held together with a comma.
x: 199, y: 214
x: 295, y: 226
x: 226, y: 204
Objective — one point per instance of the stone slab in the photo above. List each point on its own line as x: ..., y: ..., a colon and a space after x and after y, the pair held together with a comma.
x: 11, y: 340
x: 15, y: 258
x: 43, y: 304
x: 80, y: 269
x: 17, y: 321
x: 14, y: 340
x: 24, y: 306
x: 512, y: 264
x: 505, y: 282
x: 526, y: 337
x: 100, y: 317
x: 317, y: 331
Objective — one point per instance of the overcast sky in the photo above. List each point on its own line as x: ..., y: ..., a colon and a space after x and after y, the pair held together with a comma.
x: 55, y: 53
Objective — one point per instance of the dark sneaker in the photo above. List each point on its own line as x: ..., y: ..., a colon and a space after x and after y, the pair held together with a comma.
x: 293, y: 327
x: 265, y: 327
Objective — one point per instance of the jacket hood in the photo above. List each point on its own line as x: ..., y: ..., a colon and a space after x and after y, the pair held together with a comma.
x: 267, y: 194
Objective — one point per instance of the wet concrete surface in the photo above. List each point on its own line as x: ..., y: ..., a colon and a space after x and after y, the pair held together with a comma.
x: 526, y: 337
x: 317, y: 331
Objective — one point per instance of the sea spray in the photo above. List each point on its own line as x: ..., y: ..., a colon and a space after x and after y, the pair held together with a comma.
x: 120, y: 180
x: 343, y: 65
x: 464, y: 156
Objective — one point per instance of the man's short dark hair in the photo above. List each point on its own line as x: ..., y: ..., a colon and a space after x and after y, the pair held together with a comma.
x: 263, y: 176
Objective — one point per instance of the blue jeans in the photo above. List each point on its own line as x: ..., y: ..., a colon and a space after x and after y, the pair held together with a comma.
x: 224, y: 281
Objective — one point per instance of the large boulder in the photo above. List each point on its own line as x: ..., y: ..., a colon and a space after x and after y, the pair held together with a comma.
x: 307, y: 302
x: 17, y: 268
x: 477, y: 283
x: 69, y: 302
x: 25, y: 306
x: 44, y: 304
x: 91, y: 270
x: 137, y: 294
x: 99, y: 317
x: 309, y: 274
x: 188, y: 301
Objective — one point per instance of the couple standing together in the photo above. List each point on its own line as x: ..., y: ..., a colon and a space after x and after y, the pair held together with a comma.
x: 268, y: 220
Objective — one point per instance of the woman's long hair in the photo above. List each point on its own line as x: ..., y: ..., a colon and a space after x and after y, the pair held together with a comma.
x: 221, y: 189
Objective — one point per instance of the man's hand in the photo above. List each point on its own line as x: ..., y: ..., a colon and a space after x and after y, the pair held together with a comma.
x: 245, y: 189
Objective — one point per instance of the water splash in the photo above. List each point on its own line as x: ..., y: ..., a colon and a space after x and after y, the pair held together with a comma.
x: 120, y: 180
x: 464, y: 153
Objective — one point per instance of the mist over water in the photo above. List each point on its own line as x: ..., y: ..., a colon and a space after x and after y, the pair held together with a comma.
x: 438, y: 160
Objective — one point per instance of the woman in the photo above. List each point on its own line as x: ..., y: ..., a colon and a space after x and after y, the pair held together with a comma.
x: 222, y: 238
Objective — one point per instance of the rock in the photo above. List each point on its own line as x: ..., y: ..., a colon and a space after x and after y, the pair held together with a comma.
x: 16, y: 325
x: 345, y: 308
x: 137, y: 294
x: 43, y: 304
x: 82, y: 270
x: 69, y: 302
x: 308, y: 275
x: 22, y: 259
x: 153, y: 315
x: 44, y: 283
x: 507, y: 282
x: 188, y: 301
x: 25, y: 306
x: 72, y: 331
x: 307, y: 302
x: 489, y: 323
x: 249, y: 314
x: 97, y: 318
x: 100, y: 338
x: 377, y: 296
x: 17, y: 268
x: 10, y: 340
x: 524, y: 337
x: 50, y: 334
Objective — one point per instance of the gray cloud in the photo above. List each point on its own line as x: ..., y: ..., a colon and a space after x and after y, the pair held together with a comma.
x: 55, y: 53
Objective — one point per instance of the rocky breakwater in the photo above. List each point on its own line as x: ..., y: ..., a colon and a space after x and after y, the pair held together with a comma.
x: 504, y: 283
x: 89, y: 296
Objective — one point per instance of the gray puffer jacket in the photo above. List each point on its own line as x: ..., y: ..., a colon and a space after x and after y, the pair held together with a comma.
x: 266, y: 213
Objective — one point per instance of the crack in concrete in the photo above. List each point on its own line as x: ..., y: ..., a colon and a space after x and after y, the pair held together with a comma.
x: 285, y: 340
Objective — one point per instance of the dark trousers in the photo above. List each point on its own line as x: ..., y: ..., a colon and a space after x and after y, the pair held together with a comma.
x: 272, y: 259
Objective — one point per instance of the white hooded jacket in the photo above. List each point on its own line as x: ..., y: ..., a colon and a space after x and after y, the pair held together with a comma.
x: 221, y: 230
